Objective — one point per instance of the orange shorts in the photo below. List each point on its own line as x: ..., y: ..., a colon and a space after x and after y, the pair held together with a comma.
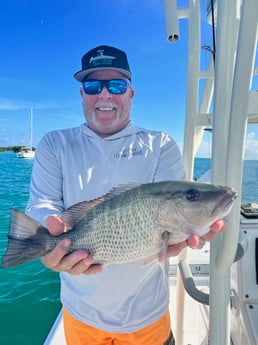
x: 78, y: 333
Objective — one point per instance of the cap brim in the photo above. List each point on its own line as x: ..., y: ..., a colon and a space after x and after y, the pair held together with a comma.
x: 80, y: 75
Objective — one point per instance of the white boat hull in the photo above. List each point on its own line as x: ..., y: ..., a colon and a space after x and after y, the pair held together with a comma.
x: 26, y: 154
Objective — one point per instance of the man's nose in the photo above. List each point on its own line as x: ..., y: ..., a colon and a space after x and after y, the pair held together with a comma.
x: 105, y: 93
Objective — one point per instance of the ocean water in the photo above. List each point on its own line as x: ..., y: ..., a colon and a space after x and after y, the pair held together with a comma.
x: 250, y: 177
x: 29, y: 294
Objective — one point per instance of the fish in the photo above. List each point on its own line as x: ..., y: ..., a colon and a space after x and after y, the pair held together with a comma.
x: 129, y: 223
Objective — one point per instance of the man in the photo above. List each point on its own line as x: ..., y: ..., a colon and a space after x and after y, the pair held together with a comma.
x: 118, y: 304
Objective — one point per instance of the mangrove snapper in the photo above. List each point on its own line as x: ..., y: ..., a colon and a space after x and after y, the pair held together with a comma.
x: 131, y: 222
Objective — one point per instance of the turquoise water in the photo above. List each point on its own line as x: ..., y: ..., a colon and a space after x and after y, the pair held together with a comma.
x: 29, y: 294
x: 250, y: 177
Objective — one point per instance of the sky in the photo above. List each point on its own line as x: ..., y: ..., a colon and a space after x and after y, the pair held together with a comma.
x: 42, y: 43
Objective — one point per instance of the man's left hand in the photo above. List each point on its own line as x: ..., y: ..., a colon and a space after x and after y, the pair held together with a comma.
x: 195, y: 241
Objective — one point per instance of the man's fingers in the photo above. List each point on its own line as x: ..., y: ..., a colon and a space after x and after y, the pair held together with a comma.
x: 175, y: 249
x: 215, y: 228
x: 55, y: 225
x: 93, y: 269
x: 54, y: 257
x: 218, y: 226
x: 195, y: 241
x: 75, y: 263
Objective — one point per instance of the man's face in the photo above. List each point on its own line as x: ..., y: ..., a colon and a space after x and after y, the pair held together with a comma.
x: 107, y: 113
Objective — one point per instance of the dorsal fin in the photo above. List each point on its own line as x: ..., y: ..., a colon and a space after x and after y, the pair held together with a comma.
x: 121, y: 189
x: 73, y: 214
x: 76, y: 212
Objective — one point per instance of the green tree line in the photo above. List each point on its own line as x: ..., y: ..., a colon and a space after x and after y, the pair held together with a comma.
x: 12, y: 148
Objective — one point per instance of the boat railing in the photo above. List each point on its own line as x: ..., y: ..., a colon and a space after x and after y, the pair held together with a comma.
x: 188, y: 280
x: 227, y: 101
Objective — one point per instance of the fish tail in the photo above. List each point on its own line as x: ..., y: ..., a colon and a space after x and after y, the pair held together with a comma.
x: 27, y: 240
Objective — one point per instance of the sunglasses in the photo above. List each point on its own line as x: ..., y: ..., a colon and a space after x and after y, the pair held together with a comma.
x: 114, y: 86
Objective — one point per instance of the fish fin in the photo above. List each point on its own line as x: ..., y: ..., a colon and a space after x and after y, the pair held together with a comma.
x: 148, y: 260
x: 121, y: 189
x: 73, y: 214
x: 163, y: 252
x: 26, y: 240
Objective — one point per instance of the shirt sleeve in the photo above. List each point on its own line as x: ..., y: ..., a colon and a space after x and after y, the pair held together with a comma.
x: 170, y: 165
x: 46, y: 183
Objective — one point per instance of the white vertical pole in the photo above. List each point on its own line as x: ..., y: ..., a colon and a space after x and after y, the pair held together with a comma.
x: 226, y: 41
x: 189, y: 135
x: 232, y: 86
x: 244, y: 68
x: 192, y: 85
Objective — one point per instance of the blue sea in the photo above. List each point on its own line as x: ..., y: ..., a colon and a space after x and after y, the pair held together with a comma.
x: 29, y: 294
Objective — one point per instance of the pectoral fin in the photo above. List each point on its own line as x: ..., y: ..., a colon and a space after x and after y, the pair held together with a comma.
x: 163, y: 252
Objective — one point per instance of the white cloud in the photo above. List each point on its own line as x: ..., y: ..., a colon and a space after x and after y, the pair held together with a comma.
x: 15, y: 104
x: 205, y: 149
x: 251, y: 147
x: 9, y: 104
x: 251, y: 151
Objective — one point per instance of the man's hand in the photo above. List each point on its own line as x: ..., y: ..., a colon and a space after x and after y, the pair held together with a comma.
x: 76, y: 263
x: 196, y: 242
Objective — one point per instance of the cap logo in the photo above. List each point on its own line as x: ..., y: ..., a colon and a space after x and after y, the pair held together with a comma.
x: 101, y: 59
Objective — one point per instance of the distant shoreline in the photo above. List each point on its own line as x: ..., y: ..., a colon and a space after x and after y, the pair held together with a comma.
x: 14, y: 149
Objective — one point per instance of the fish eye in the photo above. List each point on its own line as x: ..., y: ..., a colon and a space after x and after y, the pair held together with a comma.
x: 192, y: 195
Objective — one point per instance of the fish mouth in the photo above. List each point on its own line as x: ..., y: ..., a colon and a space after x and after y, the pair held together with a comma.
x: 225, y: 201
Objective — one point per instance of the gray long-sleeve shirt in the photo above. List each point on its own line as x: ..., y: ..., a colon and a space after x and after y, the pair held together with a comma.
x: 76, y: 164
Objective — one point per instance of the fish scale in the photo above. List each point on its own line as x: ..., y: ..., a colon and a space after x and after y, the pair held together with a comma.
x: 120, y: 229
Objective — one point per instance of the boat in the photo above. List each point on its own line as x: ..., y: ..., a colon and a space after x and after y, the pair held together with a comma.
x: 214, y: 291
x: 28, y: 152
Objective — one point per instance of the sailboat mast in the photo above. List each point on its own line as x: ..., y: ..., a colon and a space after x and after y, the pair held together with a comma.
x: 31, y: 119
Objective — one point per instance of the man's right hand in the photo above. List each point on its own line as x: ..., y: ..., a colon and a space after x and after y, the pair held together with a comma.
x: 79, y: 262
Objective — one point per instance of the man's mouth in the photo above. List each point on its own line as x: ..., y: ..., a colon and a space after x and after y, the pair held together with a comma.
x: 105, y: 108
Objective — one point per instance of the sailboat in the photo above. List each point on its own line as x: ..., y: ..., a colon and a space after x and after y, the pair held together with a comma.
x: 27, y: 152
